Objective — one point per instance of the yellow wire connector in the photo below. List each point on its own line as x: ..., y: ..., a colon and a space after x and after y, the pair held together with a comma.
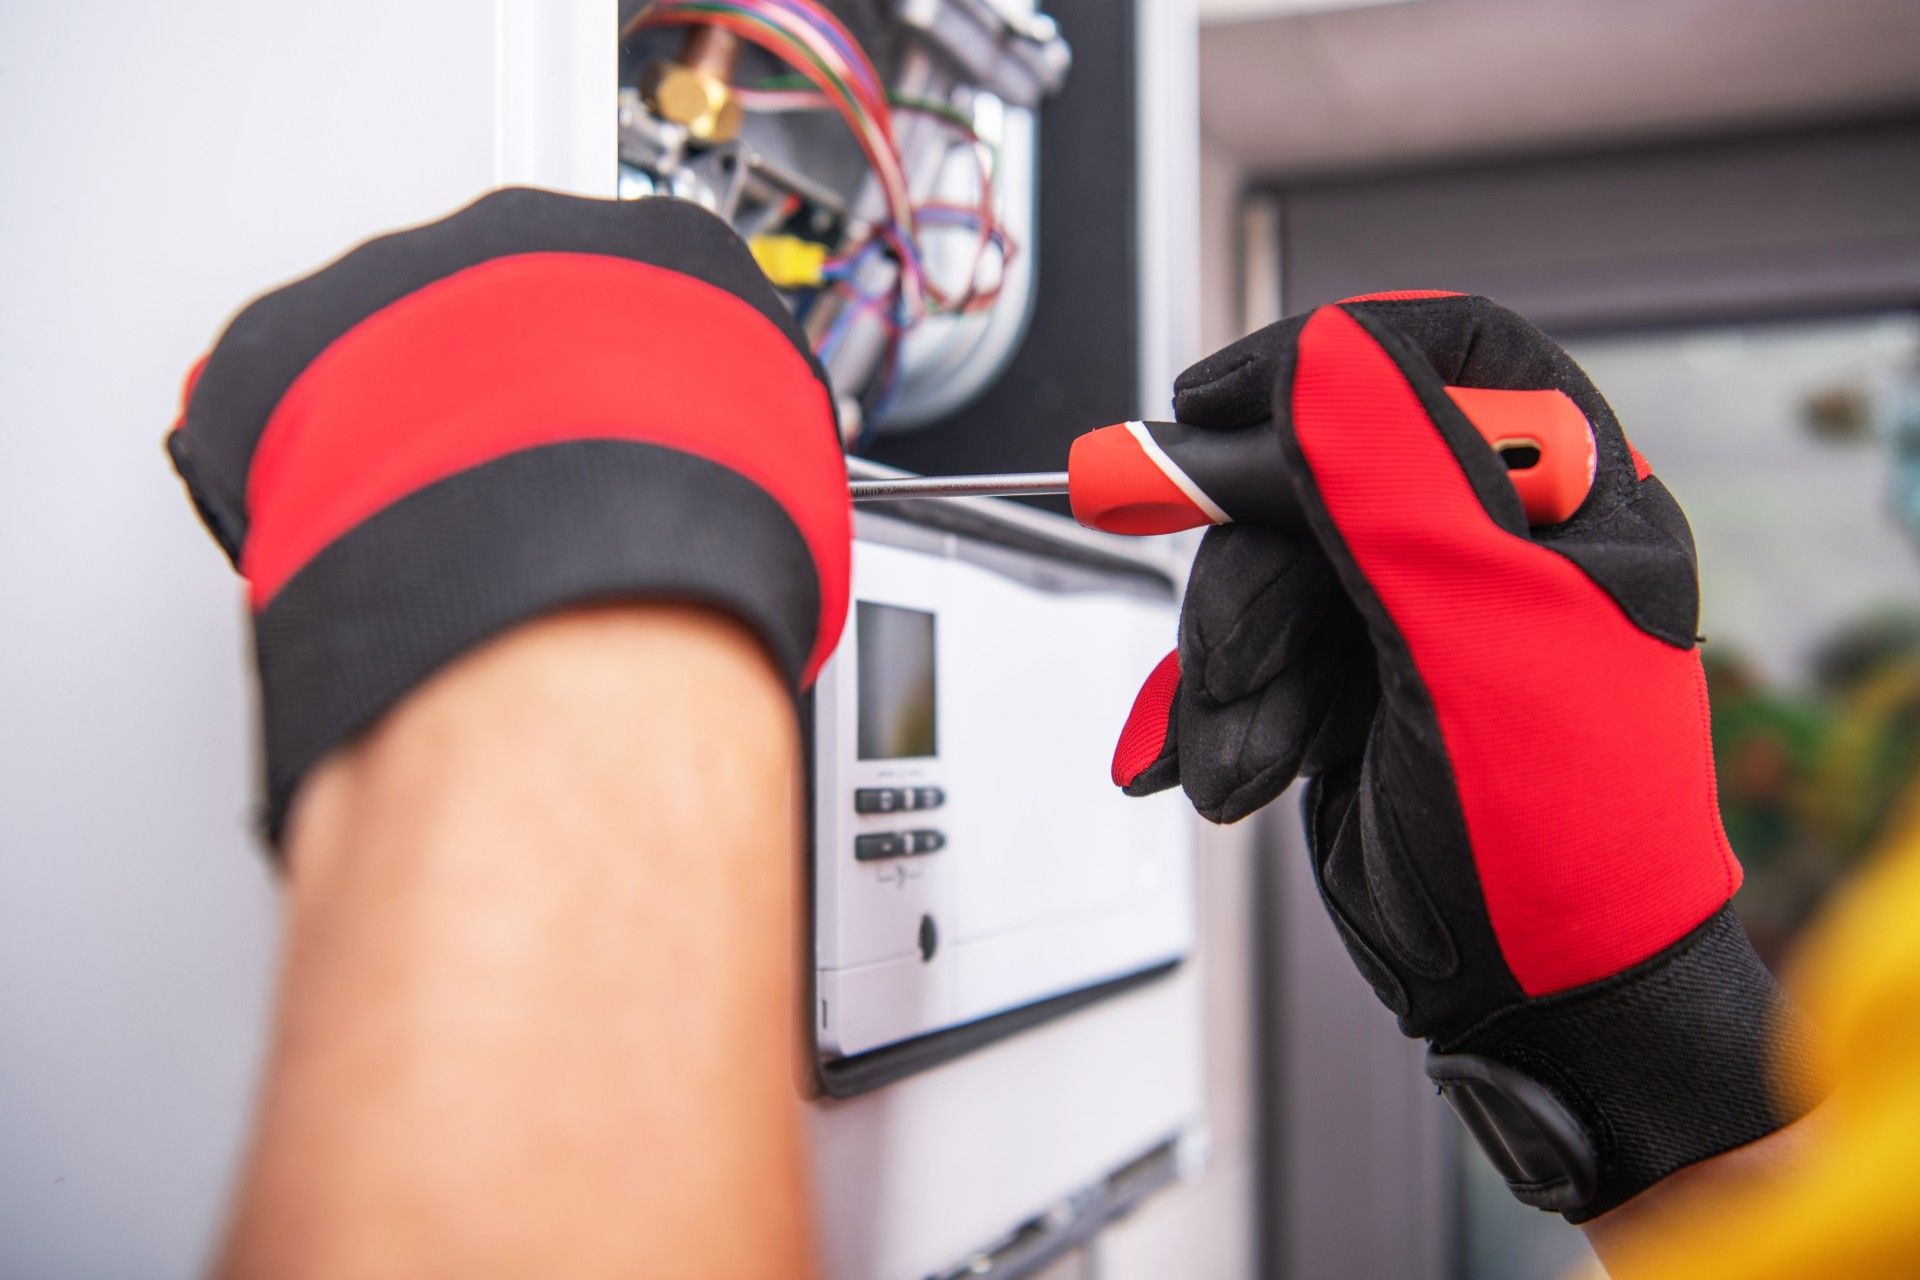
x: 789, y: 261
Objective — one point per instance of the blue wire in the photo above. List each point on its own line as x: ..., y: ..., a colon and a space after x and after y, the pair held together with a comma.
x: 836, y: 332
x: 853, y: 264
x: 854, y: 59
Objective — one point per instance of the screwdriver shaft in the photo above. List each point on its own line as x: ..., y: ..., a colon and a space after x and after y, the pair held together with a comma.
x: 985, y: 486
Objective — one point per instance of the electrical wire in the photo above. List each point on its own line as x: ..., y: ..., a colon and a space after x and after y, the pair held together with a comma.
x: 832, y: 72
x: 815, y: 44
x: 787, y: 94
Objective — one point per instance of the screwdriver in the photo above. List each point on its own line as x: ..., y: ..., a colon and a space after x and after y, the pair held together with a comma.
x: 1160, y: 477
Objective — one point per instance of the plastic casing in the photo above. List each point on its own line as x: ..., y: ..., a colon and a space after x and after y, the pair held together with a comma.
x: 1050, y: 879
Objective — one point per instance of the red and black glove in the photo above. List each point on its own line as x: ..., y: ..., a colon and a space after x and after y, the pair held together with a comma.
x: 1511, y: 810
x: 540, y: 401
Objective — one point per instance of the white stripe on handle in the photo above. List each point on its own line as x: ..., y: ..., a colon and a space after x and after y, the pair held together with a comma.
x: 1171, y: 470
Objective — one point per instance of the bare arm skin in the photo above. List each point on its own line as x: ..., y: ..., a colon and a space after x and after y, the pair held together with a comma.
x: 537, y: 1012
x: 1621, y: 1237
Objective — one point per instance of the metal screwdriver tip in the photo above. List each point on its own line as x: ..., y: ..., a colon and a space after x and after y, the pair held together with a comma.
x: 986, y: 486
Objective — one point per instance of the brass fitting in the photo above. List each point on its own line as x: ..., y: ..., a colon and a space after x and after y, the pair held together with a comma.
x: 698, y: 100
x: 693, y: 91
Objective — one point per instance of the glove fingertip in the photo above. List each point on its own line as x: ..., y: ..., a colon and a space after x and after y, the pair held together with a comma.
x: 1246, y: 797
x: 188, y: 384
x: 1233, y: 387
x: 1143, y: 739
x: 1163, y: 774
x: 1401, y: 295
x: 228, y: 528
x: 1642, y: 469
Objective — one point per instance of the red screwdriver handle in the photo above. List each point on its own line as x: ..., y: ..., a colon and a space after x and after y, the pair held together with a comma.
x: 1160, y: 477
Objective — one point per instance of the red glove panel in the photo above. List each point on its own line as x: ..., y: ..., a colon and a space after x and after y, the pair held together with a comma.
x: 1511, y: 802
x: 537, y: 402
x: 1567, y: 726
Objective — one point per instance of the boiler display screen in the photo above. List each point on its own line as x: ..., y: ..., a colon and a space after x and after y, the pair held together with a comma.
x: 897, y: 705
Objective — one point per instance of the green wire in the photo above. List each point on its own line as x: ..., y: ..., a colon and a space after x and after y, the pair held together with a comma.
x: 932, y: 106
x: 784, y: 82
x: 781, y: 38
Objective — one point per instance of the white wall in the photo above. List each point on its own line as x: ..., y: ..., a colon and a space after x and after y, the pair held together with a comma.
x: 1313, y: 85
x: 161, y: 163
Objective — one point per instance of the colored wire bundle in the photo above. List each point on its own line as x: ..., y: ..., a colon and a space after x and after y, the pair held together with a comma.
x: 787, y: 94
x: 834, y: 73
x: 814, y: 43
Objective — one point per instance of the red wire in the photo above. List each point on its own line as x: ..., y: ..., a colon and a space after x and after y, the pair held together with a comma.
x: 972, y: 299
x: 874, y: 103
x: 667, y: 15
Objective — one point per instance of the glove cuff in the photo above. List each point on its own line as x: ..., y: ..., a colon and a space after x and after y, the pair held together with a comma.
x: 459, y: 561
x: 1585, y: 1099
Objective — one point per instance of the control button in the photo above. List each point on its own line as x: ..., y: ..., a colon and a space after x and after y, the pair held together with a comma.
x: 928, y: 797
x: 886, y: 844
x: 929, y: 938
x: 880, y: 800
x: 927, y: 841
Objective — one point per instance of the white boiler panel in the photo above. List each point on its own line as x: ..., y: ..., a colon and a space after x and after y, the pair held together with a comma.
x: 971, y: 854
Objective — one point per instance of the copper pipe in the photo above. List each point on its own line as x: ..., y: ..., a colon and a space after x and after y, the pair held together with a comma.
x: 711, y: 50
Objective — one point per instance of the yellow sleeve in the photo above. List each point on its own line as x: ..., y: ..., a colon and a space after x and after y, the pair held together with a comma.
x: 1852, y: 1209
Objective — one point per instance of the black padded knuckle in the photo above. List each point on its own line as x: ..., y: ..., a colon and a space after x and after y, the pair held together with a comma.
x: 1233, y: 387
x: 1668, y: 1063
x: 1230, y: 764
x: 1641, y: 553
x: 218, y: 505
x: 1410, y: 922
x: 1535, y: 1142
x: 1330, y: 809
x: 1341, y: 737
x: 1282, y: 624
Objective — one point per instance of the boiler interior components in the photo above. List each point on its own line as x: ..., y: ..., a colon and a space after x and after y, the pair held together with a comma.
x: 878, y: 157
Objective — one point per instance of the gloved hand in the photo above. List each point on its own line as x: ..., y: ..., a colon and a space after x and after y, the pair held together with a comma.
x: 1511, y: 809
x: 537, y: 402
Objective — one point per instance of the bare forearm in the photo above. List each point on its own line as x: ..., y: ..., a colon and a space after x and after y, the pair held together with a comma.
x: 537, y: 1015
x: 1625, y: 1237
